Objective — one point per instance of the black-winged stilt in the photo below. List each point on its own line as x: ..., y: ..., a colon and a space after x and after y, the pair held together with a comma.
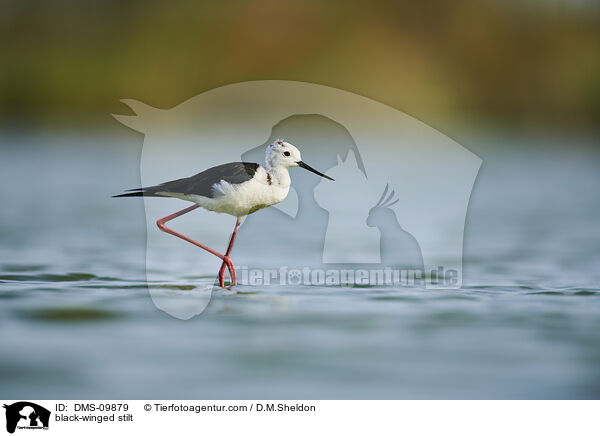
x: 235, y: 188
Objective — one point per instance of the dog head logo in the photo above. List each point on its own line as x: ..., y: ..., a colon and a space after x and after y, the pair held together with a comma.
x: 26, y: 415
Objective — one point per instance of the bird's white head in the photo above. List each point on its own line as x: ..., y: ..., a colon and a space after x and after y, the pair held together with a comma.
x: 282, y: 154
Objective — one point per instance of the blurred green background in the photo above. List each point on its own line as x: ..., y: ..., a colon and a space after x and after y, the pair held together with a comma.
x: 501, y: 64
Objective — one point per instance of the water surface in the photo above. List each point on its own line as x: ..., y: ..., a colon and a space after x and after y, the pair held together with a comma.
x: 76, y: 319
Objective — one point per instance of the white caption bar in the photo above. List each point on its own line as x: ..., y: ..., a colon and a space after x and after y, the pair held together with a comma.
x: 299, y: 417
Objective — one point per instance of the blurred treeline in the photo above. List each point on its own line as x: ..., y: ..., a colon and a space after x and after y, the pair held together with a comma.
x: 514, y: 64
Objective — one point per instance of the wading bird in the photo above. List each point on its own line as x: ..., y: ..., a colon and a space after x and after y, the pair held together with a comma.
x: 235, y: 188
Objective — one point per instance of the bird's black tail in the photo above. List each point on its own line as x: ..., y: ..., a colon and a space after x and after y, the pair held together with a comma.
x: 130, y: 194
x: 139, y: 192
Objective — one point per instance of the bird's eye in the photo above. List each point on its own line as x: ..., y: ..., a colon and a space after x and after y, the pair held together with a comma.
x: 286, y: 153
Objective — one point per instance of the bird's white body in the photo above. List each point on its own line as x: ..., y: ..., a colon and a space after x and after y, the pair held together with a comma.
x: 269, y: 185
x: 245, y: 198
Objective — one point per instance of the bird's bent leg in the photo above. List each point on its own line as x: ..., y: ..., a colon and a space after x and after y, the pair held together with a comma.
x: 161, y: 225
x: 228, y: 262
x: 232, y: 272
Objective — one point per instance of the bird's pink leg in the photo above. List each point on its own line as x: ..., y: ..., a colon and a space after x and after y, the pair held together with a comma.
x: 226, y: 260
x: 230, y: 265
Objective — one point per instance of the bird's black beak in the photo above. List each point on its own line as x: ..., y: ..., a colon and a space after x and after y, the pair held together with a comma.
x: 312, y: 170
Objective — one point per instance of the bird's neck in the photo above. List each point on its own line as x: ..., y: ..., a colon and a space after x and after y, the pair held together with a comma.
x: 280, y: 175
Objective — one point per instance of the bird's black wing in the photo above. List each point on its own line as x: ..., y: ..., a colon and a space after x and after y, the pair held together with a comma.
x: 201, y: 183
